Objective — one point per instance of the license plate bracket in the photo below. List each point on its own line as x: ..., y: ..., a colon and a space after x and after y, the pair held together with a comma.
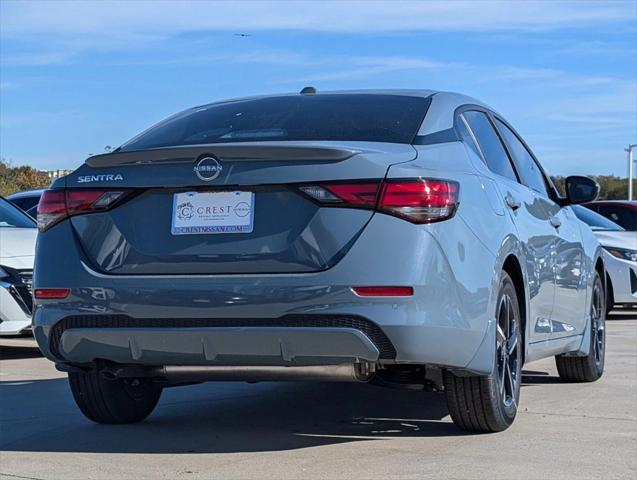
x: 197, y: 213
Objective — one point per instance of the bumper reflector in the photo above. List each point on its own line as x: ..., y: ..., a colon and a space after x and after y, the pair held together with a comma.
x: 383, y: 291
x: 51, y: 293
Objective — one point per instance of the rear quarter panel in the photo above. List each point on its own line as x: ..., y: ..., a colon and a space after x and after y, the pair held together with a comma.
x: 475, y: 243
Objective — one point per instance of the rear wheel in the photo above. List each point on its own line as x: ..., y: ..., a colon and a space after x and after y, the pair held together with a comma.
x: 103, y: 400
x: 590, y: 367
x: 489, y: 403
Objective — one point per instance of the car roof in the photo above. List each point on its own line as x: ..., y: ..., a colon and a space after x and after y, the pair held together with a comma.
x: 407, y: 92
x: 423, y: 93
x: 34, y: 192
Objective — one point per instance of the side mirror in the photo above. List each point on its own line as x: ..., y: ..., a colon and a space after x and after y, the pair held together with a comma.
x: 581, y: 189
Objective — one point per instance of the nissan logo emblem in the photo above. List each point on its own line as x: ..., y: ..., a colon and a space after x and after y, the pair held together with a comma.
x: 208, y: 168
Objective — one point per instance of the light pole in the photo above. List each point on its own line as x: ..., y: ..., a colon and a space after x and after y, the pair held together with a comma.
x: 631, y: 169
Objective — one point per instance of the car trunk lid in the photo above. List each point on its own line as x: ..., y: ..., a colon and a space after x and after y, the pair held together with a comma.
x: 289, y: 233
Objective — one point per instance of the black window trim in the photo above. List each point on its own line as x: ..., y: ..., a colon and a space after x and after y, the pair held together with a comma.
x: 442, y: 136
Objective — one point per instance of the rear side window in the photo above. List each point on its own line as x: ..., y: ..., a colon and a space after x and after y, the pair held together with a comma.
x: 340, y: 117
x: 530, y: 173
x: 18, y: 202
x: 493, y: 151
x: 25, y: 203
x: 623, y: 216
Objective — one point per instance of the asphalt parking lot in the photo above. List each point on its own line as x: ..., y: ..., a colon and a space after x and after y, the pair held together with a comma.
x: 286, y: 430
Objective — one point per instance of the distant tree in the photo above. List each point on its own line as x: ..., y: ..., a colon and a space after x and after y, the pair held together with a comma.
x: 558, y: 181
x: 612, y: 187
x: 15, y: 179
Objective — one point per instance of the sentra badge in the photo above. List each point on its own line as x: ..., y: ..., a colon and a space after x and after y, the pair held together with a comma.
x: 105, y: 177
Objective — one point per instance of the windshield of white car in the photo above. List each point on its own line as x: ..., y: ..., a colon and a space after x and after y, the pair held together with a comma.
x: 12, y: 216
x: 595, y: 220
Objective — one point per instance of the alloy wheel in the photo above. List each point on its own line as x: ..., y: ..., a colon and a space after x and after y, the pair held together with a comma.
x: 507, y: 352
x: 598, y: 324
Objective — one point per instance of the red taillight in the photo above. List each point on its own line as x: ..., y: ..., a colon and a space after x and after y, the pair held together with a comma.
x: 418, y: 200
x: 51, y: 208
x: 383, y: 291
x: 51, y: 293
x: 81, y: 200
x: 56, y: 205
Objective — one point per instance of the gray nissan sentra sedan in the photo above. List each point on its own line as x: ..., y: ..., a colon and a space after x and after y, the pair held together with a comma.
x: 393, y: 237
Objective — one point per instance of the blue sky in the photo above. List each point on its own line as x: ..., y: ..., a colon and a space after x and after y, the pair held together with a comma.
x: 77, y: 76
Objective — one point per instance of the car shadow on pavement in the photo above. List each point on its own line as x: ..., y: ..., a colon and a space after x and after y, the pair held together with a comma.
x: 10, y: 352
x: 531, y: 377
x: 40, y: 416
x: 622, y: 314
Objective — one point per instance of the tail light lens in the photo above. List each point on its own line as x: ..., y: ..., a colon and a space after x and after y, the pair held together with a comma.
x: 56, y: 205
x: 350, y: 194
x: 418, y: 200
x: 51, y: 293
x: 384, y: 291
x: 51, y: 208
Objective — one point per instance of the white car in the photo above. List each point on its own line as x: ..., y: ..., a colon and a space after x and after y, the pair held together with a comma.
x: 18, y: 232
x: 620, y: 257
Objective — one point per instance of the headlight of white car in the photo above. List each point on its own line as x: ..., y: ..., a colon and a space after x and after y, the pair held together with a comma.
x: 622, y: 253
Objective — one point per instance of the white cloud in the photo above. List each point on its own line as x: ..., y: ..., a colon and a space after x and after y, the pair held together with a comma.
x: 121, y: 18
x: 596, y: 48
x: 36, y: 58
x: 54, y: 32
x: 348, y: 67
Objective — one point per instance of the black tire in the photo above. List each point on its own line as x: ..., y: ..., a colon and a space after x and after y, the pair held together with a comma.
x: 590, y: 367
x: 113, y: 401
x: 489, y: 403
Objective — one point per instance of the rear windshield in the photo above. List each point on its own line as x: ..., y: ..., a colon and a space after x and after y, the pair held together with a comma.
x: 348, y: 117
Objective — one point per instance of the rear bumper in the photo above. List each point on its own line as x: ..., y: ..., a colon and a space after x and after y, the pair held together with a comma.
x: 447, y: 322
x: 315, y: 339
x: 260, y: 346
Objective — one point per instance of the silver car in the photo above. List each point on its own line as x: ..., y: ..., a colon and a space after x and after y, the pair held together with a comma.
x: 394, y: 237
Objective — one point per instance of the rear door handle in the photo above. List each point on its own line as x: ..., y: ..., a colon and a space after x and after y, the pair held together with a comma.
x: 555, y: 222
x: 512, y: 203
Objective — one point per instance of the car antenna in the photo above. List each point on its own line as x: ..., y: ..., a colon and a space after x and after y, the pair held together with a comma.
x: 308, y: 91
